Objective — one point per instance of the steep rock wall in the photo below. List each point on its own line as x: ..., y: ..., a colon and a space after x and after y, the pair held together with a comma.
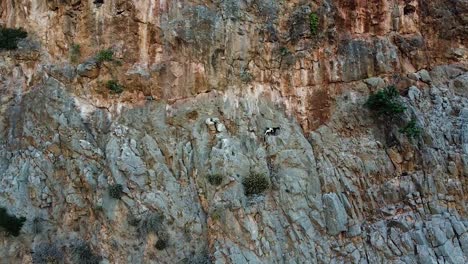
x: 177, y: 49
x: 344, y: 187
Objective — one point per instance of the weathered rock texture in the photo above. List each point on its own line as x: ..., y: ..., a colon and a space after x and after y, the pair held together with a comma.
x: 345, y: 187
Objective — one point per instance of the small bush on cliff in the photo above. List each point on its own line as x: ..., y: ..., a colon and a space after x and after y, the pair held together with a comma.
x: 114, y: 86
x: 116, y: 191
x: 386, y: 103
x: 9, y: 37
x: 47, y: 254
x: 255, y: 183
x: 105, y: 55
x: 313, y: 20
x: 215, y: 179
x: 81, y: 253
x: 411, y: 130
x: 10, y: 223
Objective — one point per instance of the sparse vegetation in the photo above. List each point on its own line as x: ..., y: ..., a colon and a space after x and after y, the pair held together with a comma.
x: 246, y: 76
x: 411, y: 130
x: 215, y: 179
x: 133, y: 221
x: 9, y: 37
x: 114, y: 86
x: 386, y: 103
x: 81, y: 253
x: 116, y: 191
x: 202, y: 257
x: 75, y: 52
x: 47, y: 253
x: 152, y: 223
x: 163, y: 240
x: 217, y: 213
x: 255, y: 183
x: 314, y: 21
x: 284, y: 51
x: 160, y: 244
x: 10, y: 223
x: 105, y: 55
x: 36, y: 225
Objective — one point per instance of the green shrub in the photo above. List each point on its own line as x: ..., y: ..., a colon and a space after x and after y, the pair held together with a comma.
x: 9, y: 37
x: 10, y: 223
x: 255, y: 184
x: 411, y: 130
x: 313, y: 20
x: 114, y: 86
x: 386, y: 103
x: 81, y: 253
x: 75, y: 52
x: 116, y: 191
x: 105, y: 55
x: 215, y: 179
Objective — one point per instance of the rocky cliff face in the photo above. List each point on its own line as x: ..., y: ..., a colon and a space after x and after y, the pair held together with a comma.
x: 202, y: 81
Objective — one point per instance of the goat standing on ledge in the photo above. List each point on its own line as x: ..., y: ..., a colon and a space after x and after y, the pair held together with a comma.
x: 272, y: 131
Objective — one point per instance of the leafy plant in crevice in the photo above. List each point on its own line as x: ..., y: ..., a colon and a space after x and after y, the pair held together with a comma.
x: 47, y: 253
x: 314, y: 22
x: 116, y: 191
x: 114, y: 86
x: 386, y: 103
x: 75, y: 52
x: 10, y: 223
x: 411, y: 129
x: 9, y: 37
x: 105, y: 55
x: 255, y: 183
x: 82, y: 253
x: 215, y: 179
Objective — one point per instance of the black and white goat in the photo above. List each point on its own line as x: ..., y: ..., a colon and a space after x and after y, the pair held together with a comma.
x: 272, y: 131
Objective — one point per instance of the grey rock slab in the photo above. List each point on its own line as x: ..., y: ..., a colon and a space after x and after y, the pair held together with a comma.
x: 375, y: 82
x: 335, y: 215
x: 425, y: 76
